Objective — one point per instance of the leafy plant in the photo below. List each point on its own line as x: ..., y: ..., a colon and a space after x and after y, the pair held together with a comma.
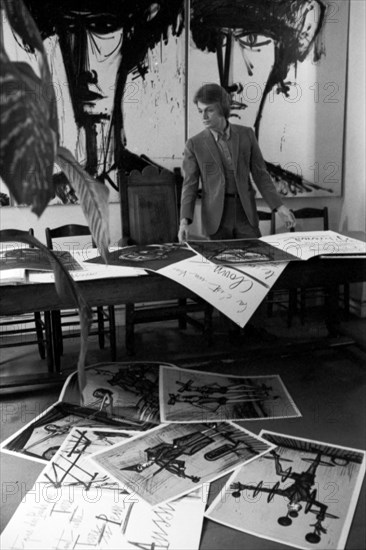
x: 30, y: 147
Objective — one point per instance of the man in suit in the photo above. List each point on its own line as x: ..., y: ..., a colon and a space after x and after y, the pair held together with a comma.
x: 224, y: 157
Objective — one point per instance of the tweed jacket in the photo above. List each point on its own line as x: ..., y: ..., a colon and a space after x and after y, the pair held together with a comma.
x: 202, y: 162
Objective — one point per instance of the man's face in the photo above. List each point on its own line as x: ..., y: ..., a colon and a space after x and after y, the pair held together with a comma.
x: 211, y: 116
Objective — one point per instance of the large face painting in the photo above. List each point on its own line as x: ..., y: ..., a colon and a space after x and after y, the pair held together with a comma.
x: 284, y: 62
x: 125, y: 74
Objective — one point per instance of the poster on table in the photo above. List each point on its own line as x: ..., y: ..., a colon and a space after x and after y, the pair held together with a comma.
x: 188, y: 395
x: 309, y: 244
x: 302, y: 494
x: 172, y: 460
x: 237, y: 252
x: 72, y: 505
x: 231, y: 290
x: 35, y: 259
x: 87, y: 271
x: 150, y: 256
x: 235, y: 292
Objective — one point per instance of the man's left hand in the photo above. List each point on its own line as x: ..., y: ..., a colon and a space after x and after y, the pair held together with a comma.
x: 287, y: 216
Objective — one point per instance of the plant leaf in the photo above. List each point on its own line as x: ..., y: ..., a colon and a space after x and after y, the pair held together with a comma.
x: 26, y: 141
x: 23, y: 24
x: 93, y: 198
x: 65, y: 287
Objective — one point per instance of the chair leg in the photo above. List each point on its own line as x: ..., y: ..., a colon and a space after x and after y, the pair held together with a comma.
x: 57, y: 331
x: 57, y: 339
x: 130, y: 332
x: 302, y: 305
x: 182, y: 318
x: 346, y: 300
x: 207, y: 326
x: 270, y: 299
x: 112, y: 332
x: 101, y: 338
x: 49, y: 346
x: 39, y: 332
x: 332, y: 318
x: 292, y: 305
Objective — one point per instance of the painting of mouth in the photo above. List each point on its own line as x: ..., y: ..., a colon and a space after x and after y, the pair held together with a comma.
x: 88, y: 96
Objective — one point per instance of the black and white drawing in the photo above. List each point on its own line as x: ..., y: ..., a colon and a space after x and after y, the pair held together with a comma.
x: 188, y: 395
x: 302, y: 494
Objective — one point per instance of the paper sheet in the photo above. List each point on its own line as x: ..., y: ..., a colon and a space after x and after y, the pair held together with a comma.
x: 172, y: 460
x: 236, y: 292
x: 302, y: 494
x: 308, y: 244
x: 188, y: 395
x: 72, y: 506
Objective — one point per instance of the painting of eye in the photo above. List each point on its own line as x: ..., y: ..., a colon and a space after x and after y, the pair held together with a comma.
x: 103, y: 24
x: 252, y: 40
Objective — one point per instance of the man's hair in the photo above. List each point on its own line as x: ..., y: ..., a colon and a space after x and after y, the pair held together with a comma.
x: 213, y: 93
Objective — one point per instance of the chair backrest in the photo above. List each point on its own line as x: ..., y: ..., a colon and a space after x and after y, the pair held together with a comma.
x: 21, y: 232
x: 265, y: 215
x: 152, y: 206
x: 312, y: 213
x: 68, y: 230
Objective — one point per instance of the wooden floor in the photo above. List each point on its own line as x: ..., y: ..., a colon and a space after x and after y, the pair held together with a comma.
x: 325, y: 378
x: 163, y: 341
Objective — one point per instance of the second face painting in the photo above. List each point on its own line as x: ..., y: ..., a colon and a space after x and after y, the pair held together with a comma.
x: 172, y: 460
x: 196, y: 396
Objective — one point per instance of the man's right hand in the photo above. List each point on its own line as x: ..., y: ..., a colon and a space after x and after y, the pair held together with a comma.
x: 183, y: 231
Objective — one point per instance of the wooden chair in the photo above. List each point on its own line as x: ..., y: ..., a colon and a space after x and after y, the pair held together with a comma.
x: 303, y: 295
x: 294, y: 300
x: 37, y: 325
x: 63, y: 321
x: 153, y: 219
x: 268, y: 216
x: 309, y: 213
x: 280, y: 298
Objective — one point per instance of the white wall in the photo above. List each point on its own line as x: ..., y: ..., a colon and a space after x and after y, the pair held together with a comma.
x: 53, y: 216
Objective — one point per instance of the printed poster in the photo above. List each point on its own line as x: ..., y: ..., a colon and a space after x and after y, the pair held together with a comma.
x: 188, y: 395
x: 303, y: 493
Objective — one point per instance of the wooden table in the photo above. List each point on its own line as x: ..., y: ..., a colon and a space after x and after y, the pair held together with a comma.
x: 329, y: 273
x: 25, y: 298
